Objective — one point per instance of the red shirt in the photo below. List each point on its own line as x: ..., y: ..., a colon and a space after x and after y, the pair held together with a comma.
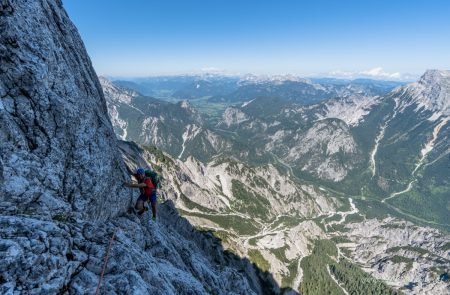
x: 147, y: 191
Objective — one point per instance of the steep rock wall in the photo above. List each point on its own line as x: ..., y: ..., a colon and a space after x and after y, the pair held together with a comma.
x: 57, y: 146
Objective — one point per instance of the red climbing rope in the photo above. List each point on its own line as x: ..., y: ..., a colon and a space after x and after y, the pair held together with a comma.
x: 105, y: 263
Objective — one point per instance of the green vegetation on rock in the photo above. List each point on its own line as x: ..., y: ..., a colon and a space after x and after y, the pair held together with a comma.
x: 288, y: 280
x: 402, y: 259
x: 321, y: 265
x: 249, y: 202
x: 238, y: 224
x: 257, y: 258
x: 419, y: 250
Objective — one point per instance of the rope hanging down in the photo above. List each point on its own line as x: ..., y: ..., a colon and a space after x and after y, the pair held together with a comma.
x: 105, y: 263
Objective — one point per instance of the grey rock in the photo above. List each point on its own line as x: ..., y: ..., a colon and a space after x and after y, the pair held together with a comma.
x: 61, y: 193
x: 57, y: 144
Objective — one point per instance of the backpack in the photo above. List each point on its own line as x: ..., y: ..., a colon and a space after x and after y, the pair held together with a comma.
x: 154, y: 178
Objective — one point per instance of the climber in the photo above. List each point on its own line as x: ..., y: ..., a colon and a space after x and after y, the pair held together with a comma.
x: 148, y: 192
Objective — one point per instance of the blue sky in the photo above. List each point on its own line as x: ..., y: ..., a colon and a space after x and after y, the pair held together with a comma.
x: 387, y: 39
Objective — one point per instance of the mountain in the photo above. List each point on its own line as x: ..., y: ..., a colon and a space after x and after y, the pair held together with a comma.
x: 118, y: 98
x: 261, y: 129
x: 368, y: 159
x: 317, y: 140
x: 157, y: 86
x: 182, y: 87
x: 393, y: 148
x: 64, y: 225
x: 178, y: 128
x: 309, y: 237
x: 207, y: 86
x: 376, y: 86
x: 430, y: 93
x: 415, y: 124
x: 359, y: 141
x: 293, y: 89
x: 232, y: 89
x: 299, y: 91
x: 172, y: 126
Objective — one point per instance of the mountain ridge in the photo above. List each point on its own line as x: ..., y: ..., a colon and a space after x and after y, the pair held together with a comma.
x: 431, y: 93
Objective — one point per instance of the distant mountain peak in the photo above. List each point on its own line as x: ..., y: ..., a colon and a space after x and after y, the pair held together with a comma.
x: 431, y: 92
x: 257, y: 79
x: 104, y: 81
x: 185, y: 104
x: 436, y: 79
x: 116, y: 94
x: 434, y: 74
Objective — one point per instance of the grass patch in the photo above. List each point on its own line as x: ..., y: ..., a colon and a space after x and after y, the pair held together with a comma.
x: 257, y: 258
x: 354, y: 218
x: 288, y: 280
x: 401, y: 259
x: 337, y: 228
x: 335, y: 217
x: 280, y: 253
x: 319, y: 224
x: 288, y: 221
x: 159, y: 156
x: 192, y: 205
x: 246, y: 201
x: 347, y: 252
x: 446, y: 247
x: 60, y: 217
x: 240, y: 225
x: 222, y: 235
x: 252, y: 242
x: 340, y: 239
x: 408, y: 248
x: 213, y: 110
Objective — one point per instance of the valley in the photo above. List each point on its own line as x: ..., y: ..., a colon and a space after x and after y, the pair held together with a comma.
x: 263, y: 185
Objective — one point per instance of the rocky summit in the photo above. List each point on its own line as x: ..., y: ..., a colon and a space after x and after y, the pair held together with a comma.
x: 62, y: 201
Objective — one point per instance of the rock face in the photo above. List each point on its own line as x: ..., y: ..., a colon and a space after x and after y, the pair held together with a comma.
x: 167, y: 257
x: 115, y: 98
x: 401, y: 253
x: 324, y: 145
x: 61, y: 193
x: 351, y: 110
x: 56, y: 139
x: 431, y: 92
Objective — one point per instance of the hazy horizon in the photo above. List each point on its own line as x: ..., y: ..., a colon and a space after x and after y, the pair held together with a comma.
x: 346, y: 76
